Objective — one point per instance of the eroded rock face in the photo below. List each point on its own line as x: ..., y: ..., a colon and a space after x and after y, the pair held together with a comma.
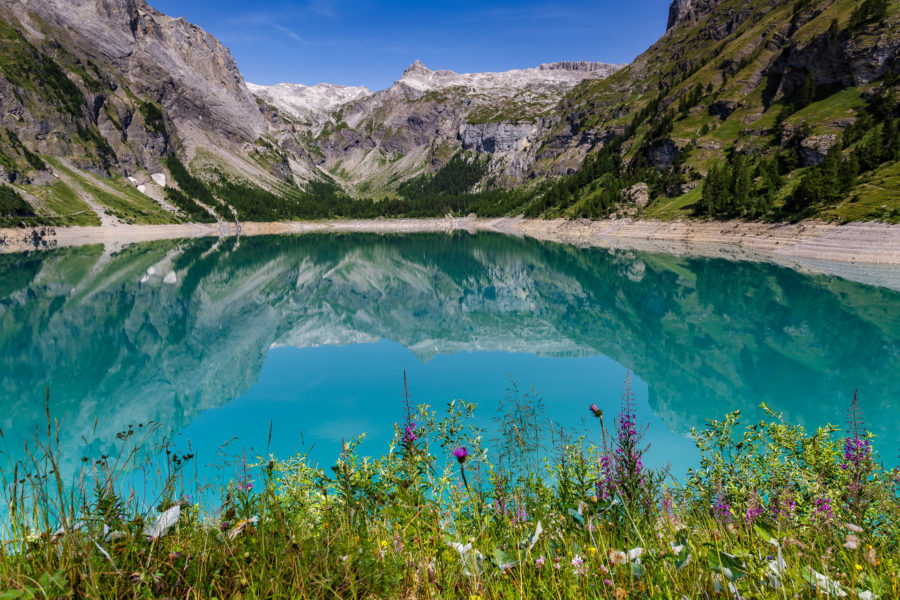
x: 685, y: 10
x: 814, y: 149
x: 131, y: 54
x: 662, y: 154
x: 638, y: 194
x: 497, y: 138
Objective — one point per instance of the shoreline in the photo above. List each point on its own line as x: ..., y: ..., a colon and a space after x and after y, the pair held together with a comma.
x: 809, y: 245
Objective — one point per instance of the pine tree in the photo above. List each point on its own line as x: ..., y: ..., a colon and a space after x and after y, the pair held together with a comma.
x: 808, y: 92
x: 741, y: 185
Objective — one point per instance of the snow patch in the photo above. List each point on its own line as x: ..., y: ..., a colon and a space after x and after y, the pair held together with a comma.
x: 159, y: 179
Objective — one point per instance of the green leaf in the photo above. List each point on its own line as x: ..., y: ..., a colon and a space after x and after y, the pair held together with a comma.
x: 765, y: 532
x: 729, y: 565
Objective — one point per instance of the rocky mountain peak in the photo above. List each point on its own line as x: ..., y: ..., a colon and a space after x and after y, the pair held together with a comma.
x: 417, y: 67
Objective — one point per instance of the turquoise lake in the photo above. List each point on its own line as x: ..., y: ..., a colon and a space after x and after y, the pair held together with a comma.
x: 294, y: 343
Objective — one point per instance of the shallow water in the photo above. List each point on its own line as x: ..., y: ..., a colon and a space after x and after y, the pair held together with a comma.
x: 307, y: 337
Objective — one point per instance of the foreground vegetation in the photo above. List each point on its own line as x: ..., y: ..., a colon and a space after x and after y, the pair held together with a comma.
x: 771, y: 511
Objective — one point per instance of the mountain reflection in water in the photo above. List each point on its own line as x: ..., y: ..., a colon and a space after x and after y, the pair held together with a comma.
x: 216, y: 339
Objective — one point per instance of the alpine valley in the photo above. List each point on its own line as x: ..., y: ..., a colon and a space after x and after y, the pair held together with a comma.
x: 111, y: 112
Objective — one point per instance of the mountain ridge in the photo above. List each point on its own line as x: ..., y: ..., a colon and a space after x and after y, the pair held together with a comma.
x: 742, y: 109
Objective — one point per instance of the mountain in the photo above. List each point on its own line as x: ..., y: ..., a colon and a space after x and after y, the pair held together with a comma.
x: 97, y: 91
x: 767, y: 109
x: 369, y: 143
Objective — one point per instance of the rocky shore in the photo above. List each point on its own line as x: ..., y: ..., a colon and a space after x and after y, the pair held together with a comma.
x: 793, y: 244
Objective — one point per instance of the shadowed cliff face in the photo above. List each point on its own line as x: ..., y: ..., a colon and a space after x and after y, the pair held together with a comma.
x: 163, y: 331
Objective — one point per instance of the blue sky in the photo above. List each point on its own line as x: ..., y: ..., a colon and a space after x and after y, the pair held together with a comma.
x: 371, y: 43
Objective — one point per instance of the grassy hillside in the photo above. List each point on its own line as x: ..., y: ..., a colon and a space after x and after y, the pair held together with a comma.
x: 747, y: 103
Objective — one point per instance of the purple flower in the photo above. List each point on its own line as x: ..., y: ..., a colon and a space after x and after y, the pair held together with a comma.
x: 823, y: 508
x: 539, y: 561
x: 409, y: 433
x: 753, y: 513
x: 596, y: 410
x: 722, y: 510
x: 856, y: 451
x: 461, y: 454
x: 606, y: 485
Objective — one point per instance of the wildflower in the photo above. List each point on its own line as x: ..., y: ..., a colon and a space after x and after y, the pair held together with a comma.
x: 620, y: 594
x: 856, y: 450
x: 539, y: 561
x: 577, y: 561
x: 474, y: 597
x: 722, y: 510
x: 606, y: 485
x: 596, y: 410
x: 409, y: 433
x: 556, y: 562
x: 752, y: 514
x: 591, y: 550
x: 617, y: 557
x: 608, y: 582
x: 859, y: 567
x: 461, y: 454
x: 823, y: 509
x: 784, y: 505
x: 384, y: 543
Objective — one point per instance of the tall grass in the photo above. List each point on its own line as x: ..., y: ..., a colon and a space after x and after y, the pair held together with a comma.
x: 770, y: 511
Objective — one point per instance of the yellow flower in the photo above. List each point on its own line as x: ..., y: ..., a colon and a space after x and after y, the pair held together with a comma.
x: 384, y: 543
x: 591, y: 550
x: 474, y: 597
x: 859, y: 567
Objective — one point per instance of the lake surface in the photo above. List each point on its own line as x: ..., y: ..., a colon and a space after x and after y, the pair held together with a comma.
x: 295, y: 343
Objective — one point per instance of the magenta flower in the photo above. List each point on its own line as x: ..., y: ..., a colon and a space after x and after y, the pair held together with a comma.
x: 409, y: 433
x: 596, y: 410
x: 753, y: 513
x: 823, y: 509
x: 461, y: 454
